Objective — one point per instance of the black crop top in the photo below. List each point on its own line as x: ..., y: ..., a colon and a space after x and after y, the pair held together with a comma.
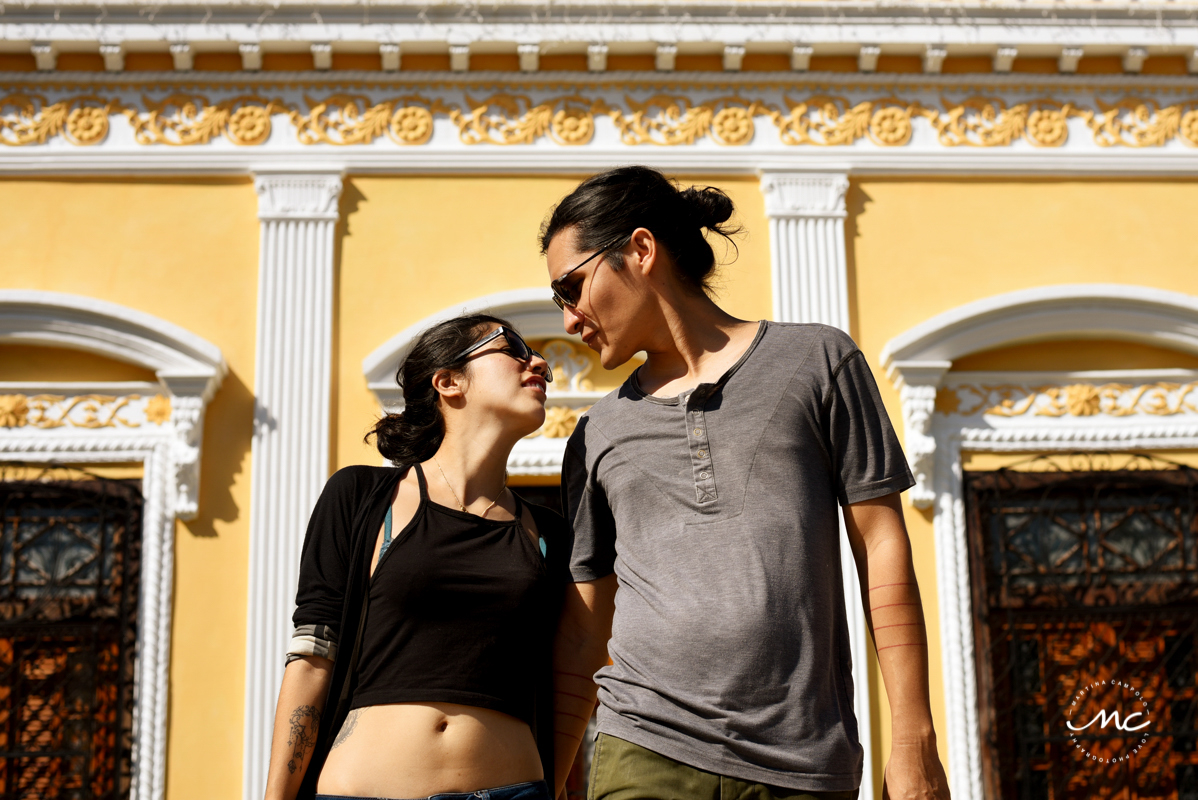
x: 335, y: 577
x: 460, y: 609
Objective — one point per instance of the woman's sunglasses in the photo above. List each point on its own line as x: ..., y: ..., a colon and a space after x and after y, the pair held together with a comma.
x: 568, y: 296
x: 517, y: 348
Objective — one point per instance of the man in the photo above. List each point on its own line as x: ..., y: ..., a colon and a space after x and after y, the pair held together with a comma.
x: 706, y: 489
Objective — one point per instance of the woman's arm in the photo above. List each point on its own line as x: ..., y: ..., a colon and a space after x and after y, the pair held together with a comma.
x: 297, y: 722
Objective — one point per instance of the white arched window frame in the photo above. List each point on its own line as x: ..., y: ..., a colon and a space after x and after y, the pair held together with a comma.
x: 948, y: 413
x: 159, y: 424
x: 535, y: 315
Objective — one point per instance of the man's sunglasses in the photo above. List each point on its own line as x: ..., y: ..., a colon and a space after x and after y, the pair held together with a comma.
x: 567, y: 296
x: 516, y: 347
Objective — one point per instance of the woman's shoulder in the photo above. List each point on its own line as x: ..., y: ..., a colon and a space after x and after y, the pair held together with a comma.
x: 359, y: 480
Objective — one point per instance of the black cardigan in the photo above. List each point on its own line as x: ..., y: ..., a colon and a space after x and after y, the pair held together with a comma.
x: 335, y: 564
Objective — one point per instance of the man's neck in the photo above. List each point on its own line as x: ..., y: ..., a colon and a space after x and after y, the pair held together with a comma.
x: 699, y: 343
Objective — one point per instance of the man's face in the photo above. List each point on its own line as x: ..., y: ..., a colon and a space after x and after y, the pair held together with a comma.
x: 609, y: 303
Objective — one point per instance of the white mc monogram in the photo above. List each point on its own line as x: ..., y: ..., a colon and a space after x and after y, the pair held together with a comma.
x: 1106, y: 719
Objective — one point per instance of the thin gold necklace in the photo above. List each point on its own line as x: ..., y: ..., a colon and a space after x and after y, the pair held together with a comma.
x: 462, y: 505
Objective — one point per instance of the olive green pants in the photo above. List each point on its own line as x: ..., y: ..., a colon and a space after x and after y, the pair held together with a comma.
x: 621, y: 770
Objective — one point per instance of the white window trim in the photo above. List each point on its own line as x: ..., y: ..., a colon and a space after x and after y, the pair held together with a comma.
x: 918, y: 361
x: 189, y: 371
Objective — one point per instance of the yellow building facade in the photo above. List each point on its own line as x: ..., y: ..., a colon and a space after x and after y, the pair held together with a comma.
x: 222, y: 232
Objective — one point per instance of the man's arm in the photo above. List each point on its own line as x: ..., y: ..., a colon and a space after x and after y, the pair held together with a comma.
x: 579, y: 650
x: 894, y: 613
x: 297, y: 721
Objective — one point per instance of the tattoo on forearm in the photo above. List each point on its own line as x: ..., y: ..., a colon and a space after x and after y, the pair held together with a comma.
x: 305, y: 724
x: 347, y: 728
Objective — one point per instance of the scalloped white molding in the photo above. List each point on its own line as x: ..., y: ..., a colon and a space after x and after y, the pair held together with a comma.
x: 917, y: 359
x: 806, y: 213
x: 535, y: 315
x: 298, y: 210
x: 190, y: 370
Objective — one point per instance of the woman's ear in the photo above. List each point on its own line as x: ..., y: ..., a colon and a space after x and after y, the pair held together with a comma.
x: 450, y: 384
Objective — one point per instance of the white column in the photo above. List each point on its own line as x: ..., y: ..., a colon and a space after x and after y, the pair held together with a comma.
x: 298, y: 211
x: 810, y: 284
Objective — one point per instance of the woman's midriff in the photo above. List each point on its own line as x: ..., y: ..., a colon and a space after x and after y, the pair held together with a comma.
x: 420, y: 749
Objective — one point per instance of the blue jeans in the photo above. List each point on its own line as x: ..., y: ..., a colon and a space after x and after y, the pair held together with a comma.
x: 534, y: 790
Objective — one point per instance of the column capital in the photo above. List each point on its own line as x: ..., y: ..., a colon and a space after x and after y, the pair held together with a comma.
x: 305, y: 194
x: 804, y: 194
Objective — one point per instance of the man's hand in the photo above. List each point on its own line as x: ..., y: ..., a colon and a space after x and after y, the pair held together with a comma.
x: 914, y: 772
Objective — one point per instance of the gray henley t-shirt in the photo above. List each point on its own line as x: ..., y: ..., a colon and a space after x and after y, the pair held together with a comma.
x: 717, y: 511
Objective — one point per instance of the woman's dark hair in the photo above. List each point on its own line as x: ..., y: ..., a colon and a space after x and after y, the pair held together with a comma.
x: 613, y: 204
x: 415, y: 434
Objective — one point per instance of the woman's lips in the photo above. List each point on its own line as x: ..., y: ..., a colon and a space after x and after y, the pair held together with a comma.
x: 537, y: 383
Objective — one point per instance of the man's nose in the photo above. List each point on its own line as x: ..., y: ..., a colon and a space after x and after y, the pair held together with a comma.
x: 572, y: 320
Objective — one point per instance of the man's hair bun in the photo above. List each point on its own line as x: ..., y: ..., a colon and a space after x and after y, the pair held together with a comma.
x: 711, y: 206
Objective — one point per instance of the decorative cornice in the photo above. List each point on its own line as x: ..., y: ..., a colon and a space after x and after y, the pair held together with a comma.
x: 1011, y: 23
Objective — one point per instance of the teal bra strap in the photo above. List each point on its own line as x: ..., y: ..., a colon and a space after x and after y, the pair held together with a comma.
x: 386, y: 533
x: 541, y: 540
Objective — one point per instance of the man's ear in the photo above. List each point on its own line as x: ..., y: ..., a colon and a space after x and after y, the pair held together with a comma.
x: 449, y: 383
x: 644, y: 250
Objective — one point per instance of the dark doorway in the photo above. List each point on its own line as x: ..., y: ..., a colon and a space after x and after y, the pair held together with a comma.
x: 1085, y: 598
x: 69, y: 563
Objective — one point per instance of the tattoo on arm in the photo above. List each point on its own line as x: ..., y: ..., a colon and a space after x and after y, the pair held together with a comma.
x: 305, y: 724
x: 347, y: 728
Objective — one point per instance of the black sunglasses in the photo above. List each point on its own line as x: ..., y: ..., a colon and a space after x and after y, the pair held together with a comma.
x: 517, y: 348
x: 567, y: 296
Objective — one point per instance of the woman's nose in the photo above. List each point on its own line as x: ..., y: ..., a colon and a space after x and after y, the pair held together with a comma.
x: 540, y: 366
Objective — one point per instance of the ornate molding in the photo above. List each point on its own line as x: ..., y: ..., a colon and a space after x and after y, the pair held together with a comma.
x: 183, y: 118
x: 1075, y: 399
x: 48, y: 411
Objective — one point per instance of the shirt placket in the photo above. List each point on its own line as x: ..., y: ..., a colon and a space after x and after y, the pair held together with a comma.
x: 700, y: 447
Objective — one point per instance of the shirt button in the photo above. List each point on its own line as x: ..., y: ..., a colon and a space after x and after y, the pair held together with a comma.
x: 698, y: 431
x: 704, y: 475
x: 702, y: 453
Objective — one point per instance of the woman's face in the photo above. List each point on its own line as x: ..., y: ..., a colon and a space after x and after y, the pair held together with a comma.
x: 610, y: 314
x: 495, y: 383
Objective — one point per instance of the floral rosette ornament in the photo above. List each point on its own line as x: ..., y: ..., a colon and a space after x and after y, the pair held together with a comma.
x: 732, y: 126
x: 87, y: 125
x: 1189, y: 127
x: 14, y: 409
x: 411, y: 125
x: 1046, y: 127
x: 248, y: 125
x: 890, y: 126
x: 572, y: 126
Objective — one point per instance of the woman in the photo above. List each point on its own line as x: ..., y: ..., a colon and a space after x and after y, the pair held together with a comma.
x: 429, y: 595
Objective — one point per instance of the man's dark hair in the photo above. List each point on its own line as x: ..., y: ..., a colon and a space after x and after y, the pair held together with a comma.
x: 612, y: 204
